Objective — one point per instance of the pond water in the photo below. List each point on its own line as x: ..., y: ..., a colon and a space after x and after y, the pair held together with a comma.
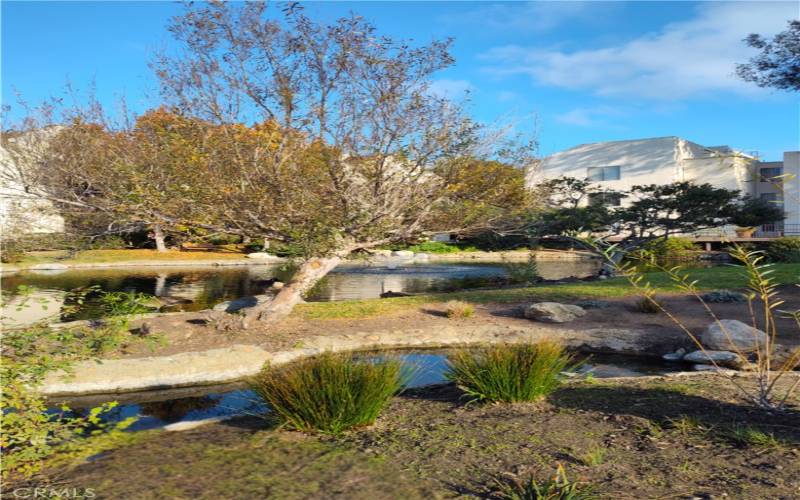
x: 197, y: 288
x: 156, y: 409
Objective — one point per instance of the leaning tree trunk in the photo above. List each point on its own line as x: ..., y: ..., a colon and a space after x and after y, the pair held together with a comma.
x: 310, y: 272
x: 158, y: 236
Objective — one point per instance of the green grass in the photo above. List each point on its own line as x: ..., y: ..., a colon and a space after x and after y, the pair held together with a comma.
x: 122, y: 255
x: 752, y: 437
x: 441, y: 247
x: 329, y: 393
x: 558, y: 488
x: 509, y: 372
x: 708, y: 279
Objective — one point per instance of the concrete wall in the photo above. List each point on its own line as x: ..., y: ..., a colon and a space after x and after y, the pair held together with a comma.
x: 791, y: 187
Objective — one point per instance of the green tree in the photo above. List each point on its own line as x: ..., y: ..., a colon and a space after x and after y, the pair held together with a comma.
x: 778, y: 63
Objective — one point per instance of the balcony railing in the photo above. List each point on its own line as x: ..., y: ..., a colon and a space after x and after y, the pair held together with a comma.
x: 777, y: 230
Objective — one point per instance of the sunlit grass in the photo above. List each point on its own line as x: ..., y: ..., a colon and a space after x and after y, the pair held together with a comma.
x: 123, y: 255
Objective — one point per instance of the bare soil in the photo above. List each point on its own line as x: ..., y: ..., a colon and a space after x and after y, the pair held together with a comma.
x: 642, y: 439
x: 188, y: 332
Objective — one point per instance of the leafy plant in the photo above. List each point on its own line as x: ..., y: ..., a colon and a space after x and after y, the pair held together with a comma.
x: 751, y: 436
x: 31, y: 433
x: 724, y: 297
x: 557, y: 488
x: 456, y: 309
x: 440, y: 247
x: 126, y: 303
x: 647, y: 304
x: 595, y: 456
x: 785, y: 249
x: 671, y: 249
x: 329, y: 393
x: 509, y: 372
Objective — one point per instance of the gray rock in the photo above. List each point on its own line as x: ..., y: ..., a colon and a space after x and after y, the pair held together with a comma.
x: 422, y: 256
x: 234, y: 305
x: 724, y: 297
x: 382, y: 253
x: 730, y: 334
x: 406, y: 254
x: 721, y: 358
x: 711, y: 368
x: 675, y: 356
x: 553, y: 312
x: 260, y: 255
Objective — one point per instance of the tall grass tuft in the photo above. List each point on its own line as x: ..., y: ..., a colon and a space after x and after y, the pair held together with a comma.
x: 557, y: 488
x: 329, y: 393
x: 509, y: 372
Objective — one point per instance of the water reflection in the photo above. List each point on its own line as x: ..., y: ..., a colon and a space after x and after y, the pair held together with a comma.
x: 193, y: 289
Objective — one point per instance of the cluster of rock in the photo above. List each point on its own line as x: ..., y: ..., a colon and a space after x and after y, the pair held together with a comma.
x: 400, y: 254
x: 718, y: 339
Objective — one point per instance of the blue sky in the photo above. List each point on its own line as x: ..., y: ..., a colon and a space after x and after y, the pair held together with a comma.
x: 574, y: 72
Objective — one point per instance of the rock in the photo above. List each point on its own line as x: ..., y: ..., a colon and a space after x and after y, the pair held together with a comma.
x: 234, y: 305
x: 724, y: 297
x: 593, y: 304
x: 721, y: 358
x: 711, y: 368
x: 422, y: 256
x: 277, y: 285
x: 260, y: 255
x: 382, y: 253
x: 739, y: 334
x: 553, y: 312
x: 675, y: 356
x: 52, y: 266
x: 406, y: 254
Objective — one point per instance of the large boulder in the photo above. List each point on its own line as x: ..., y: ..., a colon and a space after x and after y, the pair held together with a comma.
x: 553, y: 312
x: 405, y: 254
x: 721, y: 358
x: 234, y: 305
x: 729, y: 333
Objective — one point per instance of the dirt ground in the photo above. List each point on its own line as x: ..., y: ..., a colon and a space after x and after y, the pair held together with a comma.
x: 189, y: 333
x: 633, y: 439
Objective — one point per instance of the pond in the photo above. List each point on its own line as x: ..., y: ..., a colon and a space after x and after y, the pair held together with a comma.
x: 157, y: 409
x: 197, y: 288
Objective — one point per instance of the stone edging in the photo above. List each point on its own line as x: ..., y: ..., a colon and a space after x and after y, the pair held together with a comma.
x: 240, y: 361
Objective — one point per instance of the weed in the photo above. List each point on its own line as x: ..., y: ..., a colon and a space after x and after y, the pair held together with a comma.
x: 751, y: 436
x: 456, y: 309
x: 557, y: 488
x: 594, y: 456
x: 510, y: 372
x: 329, y: 393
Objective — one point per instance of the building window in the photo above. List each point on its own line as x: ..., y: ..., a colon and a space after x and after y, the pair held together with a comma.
x: 606, y: 199
x: 600, y: 174
x: 769, y: 173
x: 770, y: 197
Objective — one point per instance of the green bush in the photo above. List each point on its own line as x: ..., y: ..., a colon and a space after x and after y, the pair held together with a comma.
x: 440, y: 247
x: 785, y: 249
x: 509, y: 372
x: 674, y: 248
x: 457, y: 309
x: 329, y: 393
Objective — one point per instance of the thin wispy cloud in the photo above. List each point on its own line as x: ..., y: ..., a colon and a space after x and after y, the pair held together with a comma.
x: 450, y: 89
x: 530, y: 16
x: 687, y: 59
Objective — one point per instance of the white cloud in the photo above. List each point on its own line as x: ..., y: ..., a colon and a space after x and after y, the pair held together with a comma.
x: 588, y: 117
x: 529, y: 16
x: 684, y: 59
x: 450, y: 89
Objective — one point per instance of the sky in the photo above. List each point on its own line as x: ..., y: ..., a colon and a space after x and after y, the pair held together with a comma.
x: 572, y: 72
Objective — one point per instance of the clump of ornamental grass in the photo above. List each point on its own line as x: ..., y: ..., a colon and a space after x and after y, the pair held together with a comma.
x: 647, y: 305
x: 510, y: 372
x: 329, y: 393
x: 457, y: 309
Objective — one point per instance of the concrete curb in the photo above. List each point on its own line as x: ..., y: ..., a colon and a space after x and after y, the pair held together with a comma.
x: 241, y: 361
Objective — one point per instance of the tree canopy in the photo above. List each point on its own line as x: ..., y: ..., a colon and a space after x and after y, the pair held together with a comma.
x: 777, y: 65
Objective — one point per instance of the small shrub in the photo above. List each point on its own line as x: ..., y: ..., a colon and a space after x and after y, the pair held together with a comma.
x: 523, y: 273
x: 557, y: 488
x: 509, y: 372
x: 785, y: 249
x: 456, y: 309
x: 329, y: 393
x: 647, y: 305
x: 724, y: 297
x: 671, y: 249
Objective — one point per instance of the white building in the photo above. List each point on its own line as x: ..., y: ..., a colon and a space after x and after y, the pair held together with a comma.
x: 619, y: 165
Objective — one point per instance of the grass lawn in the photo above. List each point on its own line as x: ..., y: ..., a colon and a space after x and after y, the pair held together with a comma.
x: 708, y: 278
x: 111, y: 256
